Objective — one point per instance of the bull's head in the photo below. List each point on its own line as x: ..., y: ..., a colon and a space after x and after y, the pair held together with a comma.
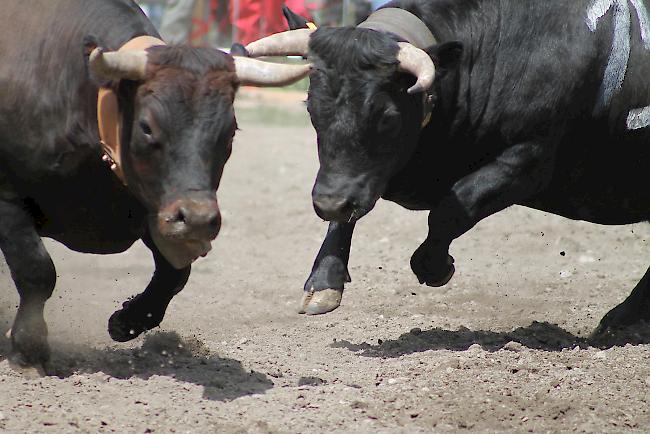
x: 177, y: 129
x: 367, y: 100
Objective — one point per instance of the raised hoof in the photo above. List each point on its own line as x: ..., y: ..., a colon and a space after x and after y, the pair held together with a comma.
x: 432, y: 273
x: 122, y: 328
x: 436, y: 282
x: 320, y: 302
x: 435, y: 279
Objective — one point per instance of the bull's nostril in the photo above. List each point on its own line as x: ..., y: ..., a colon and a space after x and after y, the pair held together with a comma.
x: 192, y: 219
x: 181, y: 215
x: 330, y: 208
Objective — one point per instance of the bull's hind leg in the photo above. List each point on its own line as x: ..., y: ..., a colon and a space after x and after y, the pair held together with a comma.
x: 635, y: 309
x: 35, y: 277
x: 147, y: 310
x: 324, y: 287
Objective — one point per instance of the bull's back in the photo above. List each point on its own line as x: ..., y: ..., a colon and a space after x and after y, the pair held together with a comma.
x: 603, y: 160
x: 46, y: 96
x: 546, y: 69
x: 577, y: 71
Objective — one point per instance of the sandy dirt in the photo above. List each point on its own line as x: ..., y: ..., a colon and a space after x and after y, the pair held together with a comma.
x: 501, y: 348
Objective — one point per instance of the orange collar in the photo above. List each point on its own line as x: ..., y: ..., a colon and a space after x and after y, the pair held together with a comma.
x: 109, y: 115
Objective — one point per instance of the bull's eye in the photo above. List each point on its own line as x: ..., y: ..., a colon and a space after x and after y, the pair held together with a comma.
x: 146, y: 129
x: 390, y: 122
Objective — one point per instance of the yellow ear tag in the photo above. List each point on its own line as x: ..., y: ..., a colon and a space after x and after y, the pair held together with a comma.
x: 311, y: 26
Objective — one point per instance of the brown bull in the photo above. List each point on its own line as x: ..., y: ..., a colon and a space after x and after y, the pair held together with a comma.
x: 170, y: 137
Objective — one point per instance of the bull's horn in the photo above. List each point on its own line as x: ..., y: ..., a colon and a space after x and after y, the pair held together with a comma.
x: 254, y: 72
x: 289, y: 43
x: 118, y: 65
x: 415, y: 61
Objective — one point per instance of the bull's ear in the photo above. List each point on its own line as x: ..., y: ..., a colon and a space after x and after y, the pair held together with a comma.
x: 89, y: 44
x: 446, y: 56
x: 294, y: 20
x: 238, y: 49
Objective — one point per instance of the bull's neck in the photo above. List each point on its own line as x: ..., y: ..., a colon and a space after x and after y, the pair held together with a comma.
x: 476, y: 24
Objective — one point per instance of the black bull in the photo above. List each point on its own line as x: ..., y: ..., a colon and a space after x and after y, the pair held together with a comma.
x: 177, y: 124
x: 537, y: 103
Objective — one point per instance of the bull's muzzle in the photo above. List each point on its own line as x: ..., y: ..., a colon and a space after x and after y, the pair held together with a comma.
x: 333, y: 208
x: 190, y: 219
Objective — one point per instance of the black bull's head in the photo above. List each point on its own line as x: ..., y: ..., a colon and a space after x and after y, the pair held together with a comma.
x: 366, y: 100
x: 178, y: 124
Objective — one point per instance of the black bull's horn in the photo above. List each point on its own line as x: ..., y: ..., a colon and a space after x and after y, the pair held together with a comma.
x: 132, y: 65
x: 296, y: 43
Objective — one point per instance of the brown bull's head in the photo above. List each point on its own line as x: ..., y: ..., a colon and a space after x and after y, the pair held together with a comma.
x: 177, y: 127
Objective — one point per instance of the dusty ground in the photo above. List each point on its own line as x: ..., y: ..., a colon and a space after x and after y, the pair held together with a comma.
x: 501, y: 348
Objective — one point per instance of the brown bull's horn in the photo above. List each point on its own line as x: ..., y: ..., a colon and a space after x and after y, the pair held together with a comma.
x: 290, y: 43
x: 415, y: 61
x: 130, y: 65
x: 253, y: 72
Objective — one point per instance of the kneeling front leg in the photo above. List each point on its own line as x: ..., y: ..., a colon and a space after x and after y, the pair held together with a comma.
x: 513, y: 177
x: 147, y: 310
x: 324, y: 287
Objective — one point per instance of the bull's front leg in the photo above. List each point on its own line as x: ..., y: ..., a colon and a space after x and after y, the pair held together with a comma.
x: 147, y: 310
x: 34, y: 274
x: 324, y: 287
x: 513, y: 177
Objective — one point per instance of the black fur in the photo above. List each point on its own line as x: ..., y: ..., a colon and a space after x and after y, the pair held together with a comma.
x: 513, y: 123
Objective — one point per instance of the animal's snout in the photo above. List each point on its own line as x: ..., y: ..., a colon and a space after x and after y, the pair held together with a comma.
x: 191, y: 219
x: 333, y: 208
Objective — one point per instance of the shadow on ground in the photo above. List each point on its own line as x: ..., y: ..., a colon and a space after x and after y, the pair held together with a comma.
x: 161, y: 354
x: 538, y: 336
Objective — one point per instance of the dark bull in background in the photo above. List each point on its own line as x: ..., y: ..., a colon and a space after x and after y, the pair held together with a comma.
x: 174, y: 121
x: 541, y: 104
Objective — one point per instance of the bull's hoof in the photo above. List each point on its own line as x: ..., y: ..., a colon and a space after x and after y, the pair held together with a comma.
x: 626, y: 323
x: 29, y: 347
x: 130, y: 322
x: 29, y: 372
x: 428, y: 274
x: 320, y: 302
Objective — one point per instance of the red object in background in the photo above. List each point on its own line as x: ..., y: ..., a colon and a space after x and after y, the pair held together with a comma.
x: 301, y: 8
x: 259, y: 18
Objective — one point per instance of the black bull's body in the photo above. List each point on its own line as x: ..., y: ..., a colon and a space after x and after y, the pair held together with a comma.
x: 545, y: 108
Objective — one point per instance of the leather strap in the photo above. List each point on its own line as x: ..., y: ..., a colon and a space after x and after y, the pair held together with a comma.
x: 109, y: 118
x: 411, y: 29
x: 401, y: 23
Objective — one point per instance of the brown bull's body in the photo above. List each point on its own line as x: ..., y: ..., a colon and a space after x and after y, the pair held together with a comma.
x: 177, y: 128
x: 49, y: 144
